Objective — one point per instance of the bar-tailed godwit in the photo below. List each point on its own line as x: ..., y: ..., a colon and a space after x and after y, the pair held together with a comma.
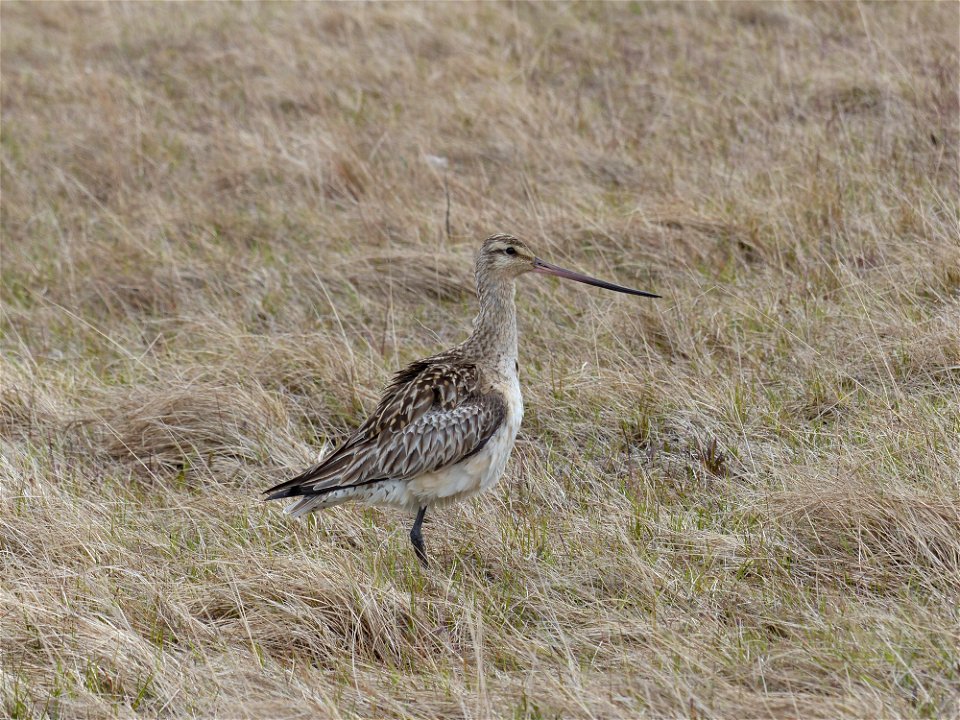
x: 445, y: 425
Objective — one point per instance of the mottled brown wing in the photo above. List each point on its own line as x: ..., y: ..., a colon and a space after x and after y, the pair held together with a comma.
x: 417, y: 389
x: 431, y: 415
x: 437, y: 439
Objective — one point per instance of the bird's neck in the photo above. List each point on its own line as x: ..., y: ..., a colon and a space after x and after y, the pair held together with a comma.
x: 494, y: 338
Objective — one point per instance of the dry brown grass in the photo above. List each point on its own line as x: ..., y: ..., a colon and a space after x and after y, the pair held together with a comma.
x: 221, y: 233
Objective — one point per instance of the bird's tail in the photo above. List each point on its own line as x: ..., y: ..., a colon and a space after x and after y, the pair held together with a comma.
x: 308, y: 503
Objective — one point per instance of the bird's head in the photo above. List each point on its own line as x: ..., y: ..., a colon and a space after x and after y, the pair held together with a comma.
x: 507, y: 257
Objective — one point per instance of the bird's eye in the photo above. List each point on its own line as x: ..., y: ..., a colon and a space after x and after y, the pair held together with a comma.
x: 511, y: 251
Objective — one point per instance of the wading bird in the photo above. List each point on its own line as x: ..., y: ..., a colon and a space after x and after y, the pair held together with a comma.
x: 445, y: 425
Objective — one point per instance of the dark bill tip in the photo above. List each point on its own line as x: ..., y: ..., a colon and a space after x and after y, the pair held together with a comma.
x: 546, y: 268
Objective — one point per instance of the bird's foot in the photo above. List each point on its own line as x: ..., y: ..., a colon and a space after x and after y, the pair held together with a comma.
x: 416, y: 537
x: 421, y: 551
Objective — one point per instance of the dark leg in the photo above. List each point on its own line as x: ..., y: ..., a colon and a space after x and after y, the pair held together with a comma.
x: 416, y: 537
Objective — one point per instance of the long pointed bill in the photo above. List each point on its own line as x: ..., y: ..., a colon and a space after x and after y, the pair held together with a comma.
x: 546, y: 268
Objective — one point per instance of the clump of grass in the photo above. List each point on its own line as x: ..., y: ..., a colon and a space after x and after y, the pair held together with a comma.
x: 221, y: 231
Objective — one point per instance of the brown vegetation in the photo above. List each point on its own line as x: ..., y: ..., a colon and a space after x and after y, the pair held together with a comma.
x: 224, y: 226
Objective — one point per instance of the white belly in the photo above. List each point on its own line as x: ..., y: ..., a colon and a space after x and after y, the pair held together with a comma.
x: 481, y: 470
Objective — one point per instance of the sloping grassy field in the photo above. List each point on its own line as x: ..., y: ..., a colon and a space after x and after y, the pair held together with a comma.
x: 224, y: 226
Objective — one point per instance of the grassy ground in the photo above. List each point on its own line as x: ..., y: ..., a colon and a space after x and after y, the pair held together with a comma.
x: 224, y: 226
